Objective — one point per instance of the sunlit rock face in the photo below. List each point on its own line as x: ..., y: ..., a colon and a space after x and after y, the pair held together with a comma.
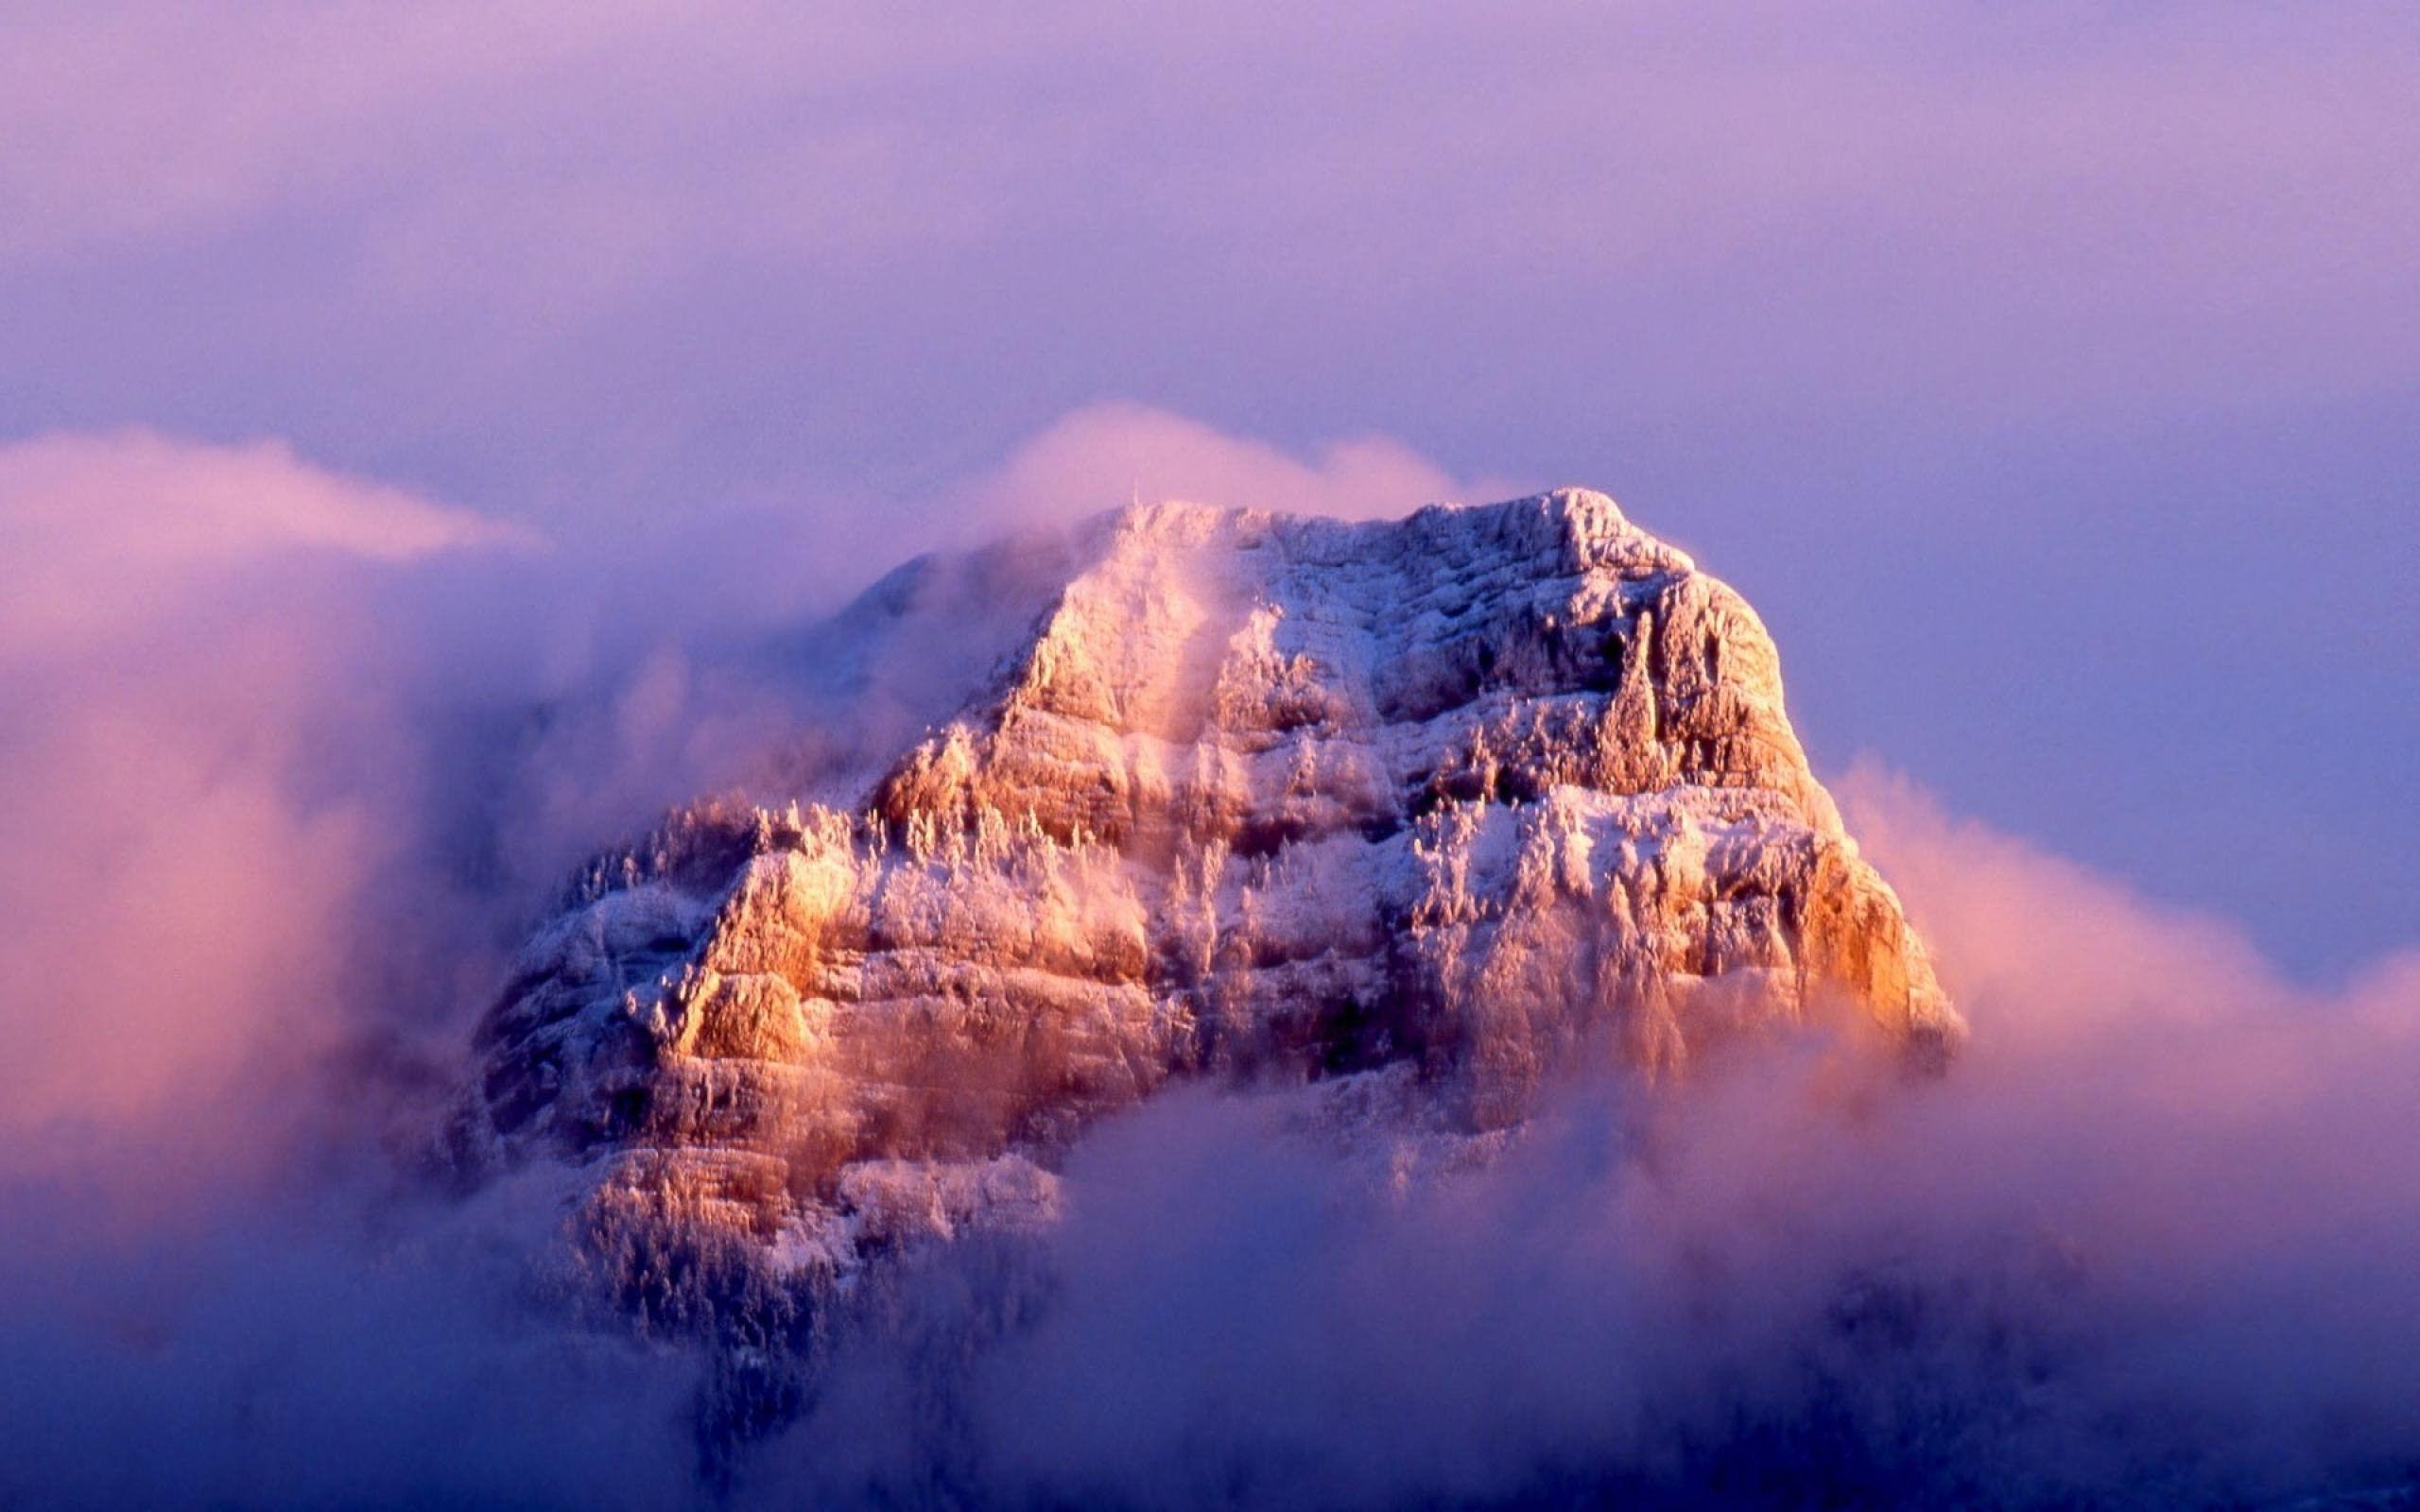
x: 1432, y: 809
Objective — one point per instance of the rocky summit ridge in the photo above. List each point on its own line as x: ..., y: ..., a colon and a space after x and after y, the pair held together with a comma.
x: 1427, y: 811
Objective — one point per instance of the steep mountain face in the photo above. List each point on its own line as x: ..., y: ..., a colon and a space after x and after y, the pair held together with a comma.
x: 1428, y: 810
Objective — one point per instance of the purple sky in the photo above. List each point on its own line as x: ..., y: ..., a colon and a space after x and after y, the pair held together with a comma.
x: 2048, y: 375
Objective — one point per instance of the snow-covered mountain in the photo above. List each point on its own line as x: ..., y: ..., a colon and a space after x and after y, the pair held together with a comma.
x: 1427, y: 812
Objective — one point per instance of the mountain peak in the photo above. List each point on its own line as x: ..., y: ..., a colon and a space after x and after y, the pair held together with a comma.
x: 1444, y: 805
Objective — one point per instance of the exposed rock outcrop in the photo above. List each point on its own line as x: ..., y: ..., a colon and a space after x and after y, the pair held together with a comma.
x: 1457, y: 799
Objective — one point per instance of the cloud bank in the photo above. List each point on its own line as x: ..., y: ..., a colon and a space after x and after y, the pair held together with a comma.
x: 2147, y: 1245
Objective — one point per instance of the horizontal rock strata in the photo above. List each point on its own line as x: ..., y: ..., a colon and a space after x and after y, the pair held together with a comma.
x: 1469, y: 798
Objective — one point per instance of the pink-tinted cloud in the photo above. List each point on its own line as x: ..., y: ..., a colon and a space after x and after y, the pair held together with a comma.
x: 200, y: 732
x: 106, y: 536
x: 1107, y: 454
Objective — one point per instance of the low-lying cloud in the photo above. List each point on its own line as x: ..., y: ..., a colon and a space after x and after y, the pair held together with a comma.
x: 2148, y: 1243
x: 288, y: 760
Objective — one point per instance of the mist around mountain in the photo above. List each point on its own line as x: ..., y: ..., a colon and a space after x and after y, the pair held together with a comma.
x: 285, y: 820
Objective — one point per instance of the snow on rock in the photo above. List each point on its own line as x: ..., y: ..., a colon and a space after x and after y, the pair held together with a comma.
x: 1453, y: 802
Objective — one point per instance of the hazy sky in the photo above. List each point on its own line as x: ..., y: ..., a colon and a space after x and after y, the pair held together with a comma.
x: 2049, y: 374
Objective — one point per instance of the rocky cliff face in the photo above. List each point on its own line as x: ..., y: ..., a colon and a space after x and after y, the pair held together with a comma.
x: 1430, y: 810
